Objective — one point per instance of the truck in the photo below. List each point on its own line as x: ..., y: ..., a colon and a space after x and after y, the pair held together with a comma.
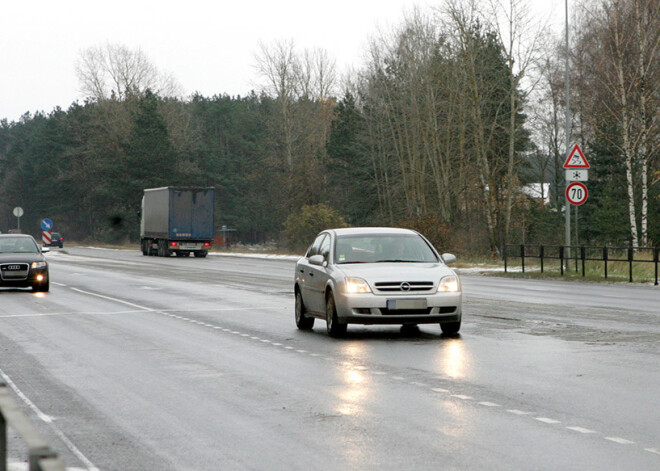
x: 177, y: 220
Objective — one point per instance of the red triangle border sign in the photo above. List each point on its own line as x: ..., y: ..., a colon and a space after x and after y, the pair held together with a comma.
x: 576, y: 161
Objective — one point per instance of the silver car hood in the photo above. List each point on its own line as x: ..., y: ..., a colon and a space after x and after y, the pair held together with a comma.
x: 396, y: 271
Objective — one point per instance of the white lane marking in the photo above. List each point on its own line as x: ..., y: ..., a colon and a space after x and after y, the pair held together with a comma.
x: 380, y: 373
x: 49, y: 420
x: 518, y: 412
x: 547, y: 420
x: 398, y: 378
x: 440, y: 390
x: 619, y: 440
x: 652, y: 450
x: 50, y: 314
x: 462, y: 396
x: 113, y: 299
x: 301, y: 351
x: 57, y: 284
x: 489, y: 404
x: 416, y: 383
x: 581, y: 430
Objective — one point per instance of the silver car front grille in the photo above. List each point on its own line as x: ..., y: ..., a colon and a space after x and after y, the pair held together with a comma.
x: 404, y: 286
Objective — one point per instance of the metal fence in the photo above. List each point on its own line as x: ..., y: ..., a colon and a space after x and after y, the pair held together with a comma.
x: 578, y: 256
x: 40, y: 456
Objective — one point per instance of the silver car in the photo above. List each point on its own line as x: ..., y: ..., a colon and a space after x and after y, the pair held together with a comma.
x: 376, y: 275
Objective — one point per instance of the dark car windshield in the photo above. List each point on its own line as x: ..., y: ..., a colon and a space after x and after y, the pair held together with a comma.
x: 379, y: 248
x: 18, y: 245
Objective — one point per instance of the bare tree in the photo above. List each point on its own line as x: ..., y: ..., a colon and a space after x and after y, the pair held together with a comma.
x: 520, y: 36
x: 114, y: 71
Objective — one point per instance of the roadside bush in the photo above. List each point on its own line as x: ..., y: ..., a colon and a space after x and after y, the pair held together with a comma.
x: 301, y: 227
x: 430, y: 226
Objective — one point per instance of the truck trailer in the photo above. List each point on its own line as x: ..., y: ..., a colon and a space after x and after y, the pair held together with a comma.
x: 177, y: 220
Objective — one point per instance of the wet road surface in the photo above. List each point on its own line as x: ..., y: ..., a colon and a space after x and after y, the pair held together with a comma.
x: 134, y: 363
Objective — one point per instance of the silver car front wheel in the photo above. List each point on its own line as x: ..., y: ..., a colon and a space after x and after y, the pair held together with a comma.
x: 335, y: 328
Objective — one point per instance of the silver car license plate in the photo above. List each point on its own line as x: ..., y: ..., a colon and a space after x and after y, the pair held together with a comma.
x: 394, y: 304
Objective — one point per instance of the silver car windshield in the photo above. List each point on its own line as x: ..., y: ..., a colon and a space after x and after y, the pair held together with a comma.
x: 18, y: 245
x: 377, y: 248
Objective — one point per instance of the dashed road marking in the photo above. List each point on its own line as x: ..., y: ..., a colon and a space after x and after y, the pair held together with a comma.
x: 518, y: 412
x: 488, y: 404
x: 547, y: 420
x: 581, y: 430
x: 619, y: 440
x: 462, y: 396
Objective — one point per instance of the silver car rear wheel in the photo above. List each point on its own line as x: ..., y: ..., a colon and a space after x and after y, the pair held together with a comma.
x: 302, y: 321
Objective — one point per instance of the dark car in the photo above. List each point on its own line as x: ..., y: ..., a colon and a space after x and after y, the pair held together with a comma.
x: 56, y: 240
x: 22, y: 263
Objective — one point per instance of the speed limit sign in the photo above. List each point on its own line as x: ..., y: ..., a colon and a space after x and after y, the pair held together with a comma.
x: 577, y: 193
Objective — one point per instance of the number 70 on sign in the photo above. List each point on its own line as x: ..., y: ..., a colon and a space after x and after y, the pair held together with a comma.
x: 577, y: 193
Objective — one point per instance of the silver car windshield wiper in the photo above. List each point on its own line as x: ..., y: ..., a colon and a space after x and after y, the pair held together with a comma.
x: 397, y: 260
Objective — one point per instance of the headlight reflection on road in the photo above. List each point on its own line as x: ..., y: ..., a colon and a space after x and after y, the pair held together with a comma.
x: 353, y: 393
x: 453, y: 359
x: 355, y: 383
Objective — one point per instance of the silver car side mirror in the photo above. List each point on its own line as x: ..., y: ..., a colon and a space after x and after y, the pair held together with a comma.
x: 448, y: 258
x: 45, y: 250
x: 318, y: 260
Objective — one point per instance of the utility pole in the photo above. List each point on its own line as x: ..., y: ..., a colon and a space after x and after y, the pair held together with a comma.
x: 568, y: 143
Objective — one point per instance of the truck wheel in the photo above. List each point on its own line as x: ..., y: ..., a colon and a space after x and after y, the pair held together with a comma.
x: 201, y: 254
x: 145, y: 247
x: 163, y: 249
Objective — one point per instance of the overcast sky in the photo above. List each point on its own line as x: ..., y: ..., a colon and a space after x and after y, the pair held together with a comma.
x: 208, y: 46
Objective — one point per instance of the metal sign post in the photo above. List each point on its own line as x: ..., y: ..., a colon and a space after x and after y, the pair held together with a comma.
x: 18, y: 212
x: 568, y: 139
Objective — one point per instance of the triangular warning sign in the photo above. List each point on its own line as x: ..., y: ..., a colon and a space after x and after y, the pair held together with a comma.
x: 576, y: 159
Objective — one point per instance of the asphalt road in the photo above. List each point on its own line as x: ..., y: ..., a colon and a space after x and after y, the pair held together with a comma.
x: 146, y: 363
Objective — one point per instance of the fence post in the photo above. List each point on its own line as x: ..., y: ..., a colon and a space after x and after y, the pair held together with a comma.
x: 505, y: 266
x: 656, y: 253
x: 630, y: 263
x: 541, y: 255
x: 522, y: 256
x: 576, y: 259
x: 561, y: 259
x: 583, y: 256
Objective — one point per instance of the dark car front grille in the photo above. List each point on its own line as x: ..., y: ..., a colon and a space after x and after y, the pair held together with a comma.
x: 403, y: 286
x: 14, y: 271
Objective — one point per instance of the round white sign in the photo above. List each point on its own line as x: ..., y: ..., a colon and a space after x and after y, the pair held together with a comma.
x: 577, y: 193
x: 18, y: 211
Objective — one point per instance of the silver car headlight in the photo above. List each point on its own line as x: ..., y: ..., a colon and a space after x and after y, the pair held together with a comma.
x: 357, y: 286
x: 38, y: 265
x: 449, y: 284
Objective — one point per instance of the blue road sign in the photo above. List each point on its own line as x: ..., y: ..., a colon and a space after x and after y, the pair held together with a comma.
x: 46, y: 224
